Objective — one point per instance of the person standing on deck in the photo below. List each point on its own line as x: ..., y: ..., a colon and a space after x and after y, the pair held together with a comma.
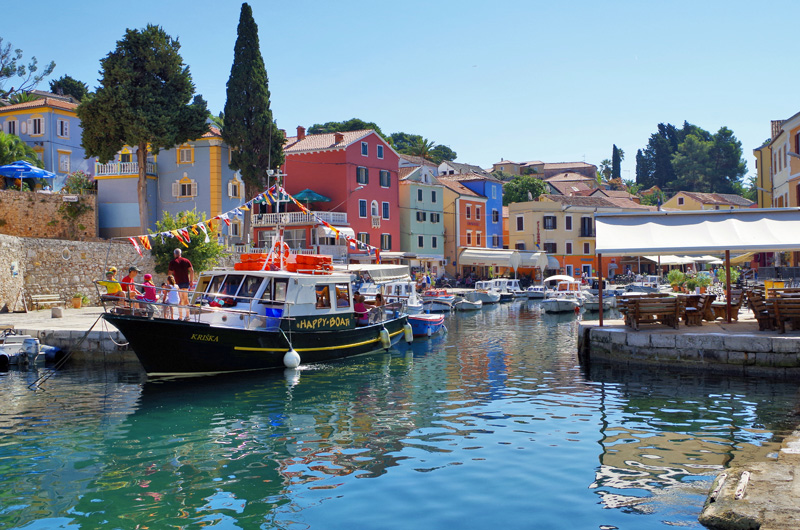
x: 181, y: 268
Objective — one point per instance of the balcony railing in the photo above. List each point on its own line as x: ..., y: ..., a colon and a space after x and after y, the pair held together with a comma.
x: 587, y: 233
x: 261, y: 220
x: 122, y: 168
x: 376, y: 221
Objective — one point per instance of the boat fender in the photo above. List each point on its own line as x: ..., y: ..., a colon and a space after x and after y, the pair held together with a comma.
x: 385, y: 340
x: 577, y: 310
x: 408, y: 333
x: 291, y: 359
x: 429, y: 331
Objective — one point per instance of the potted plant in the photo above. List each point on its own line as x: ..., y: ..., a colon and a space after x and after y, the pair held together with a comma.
x: 703, y: 281
x: 691, y: 284
x: 722, y: 276
x: 78, y: 299
x: 676, y: 278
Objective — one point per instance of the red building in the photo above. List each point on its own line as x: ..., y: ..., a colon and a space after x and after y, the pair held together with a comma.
x: 357, y: 170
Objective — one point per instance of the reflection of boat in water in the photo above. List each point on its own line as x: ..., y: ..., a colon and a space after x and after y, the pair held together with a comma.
x: 252, y: 320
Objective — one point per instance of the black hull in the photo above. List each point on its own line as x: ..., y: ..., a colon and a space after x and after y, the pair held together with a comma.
x: 173, y: 347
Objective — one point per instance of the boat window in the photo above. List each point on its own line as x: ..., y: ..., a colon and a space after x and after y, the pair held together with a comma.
x: 323, y: 296
x: 279, y: 291
x: 202, y: 285
x: 232, y: 283
x: 214, y: 287
x: 249, y: 288
x: 266, y: 296
x: 342, y: 295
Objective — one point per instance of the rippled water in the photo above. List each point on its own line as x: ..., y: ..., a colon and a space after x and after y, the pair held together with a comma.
x: 492, y: 426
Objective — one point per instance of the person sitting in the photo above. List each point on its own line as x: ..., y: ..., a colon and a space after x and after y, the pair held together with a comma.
x: 113, y: 287
x: 360, y: 309
x: 378, y: 301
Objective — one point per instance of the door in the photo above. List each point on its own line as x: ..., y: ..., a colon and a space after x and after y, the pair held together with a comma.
x: 569, y: 270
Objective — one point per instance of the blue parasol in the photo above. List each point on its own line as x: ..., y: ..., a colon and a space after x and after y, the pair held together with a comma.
x: 24, y: 170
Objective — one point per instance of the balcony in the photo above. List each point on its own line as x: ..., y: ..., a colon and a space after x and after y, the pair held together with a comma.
x: 261, y: 220
x: 376, y: 221
x: 122, y: 168
x: 587, y: 232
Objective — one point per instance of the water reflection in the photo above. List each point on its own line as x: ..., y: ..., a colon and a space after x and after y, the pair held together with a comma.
x: 495, y: 412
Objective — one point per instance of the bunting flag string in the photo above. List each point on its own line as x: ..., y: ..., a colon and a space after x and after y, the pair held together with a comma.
x: 207, y: 227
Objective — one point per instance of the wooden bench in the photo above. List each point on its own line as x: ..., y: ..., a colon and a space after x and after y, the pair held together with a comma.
x: 763, y: 313
x: 42, y: 299
x: 786, y: 310
x: 646, y: 310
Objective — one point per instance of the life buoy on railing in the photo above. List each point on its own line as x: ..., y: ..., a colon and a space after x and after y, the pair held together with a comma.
x: 277, y: 248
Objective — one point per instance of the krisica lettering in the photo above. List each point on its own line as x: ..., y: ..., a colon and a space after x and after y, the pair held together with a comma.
x: 205, y: 338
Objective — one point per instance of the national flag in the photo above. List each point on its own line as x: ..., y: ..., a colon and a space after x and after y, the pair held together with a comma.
x: 146, y: 242
x: 135, y: 245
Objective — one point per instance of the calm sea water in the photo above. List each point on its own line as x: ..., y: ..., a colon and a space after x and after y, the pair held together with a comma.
x: 492, y: 426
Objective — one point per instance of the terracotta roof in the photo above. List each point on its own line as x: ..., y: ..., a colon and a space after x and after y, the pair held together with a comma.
x: 620, y: 194
x: 718, y: 199
x: 736, y: 199
x: 598, y: 202
x: 417, y: 160
x: 404, y: 172
x: 452, y: 182
x: 469, y: 168
x: 569, y: 188
x: 628, y: 203
x: 44, y: 102
x: 566, y: 165
x: 323, y: 142
x: 567, y: 177
x: 506, y: 162
x: 212, y: 132
x: 475, y: 176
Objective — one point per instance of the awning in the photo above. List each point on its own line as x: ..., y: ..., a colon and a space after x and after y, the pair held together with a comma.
x: 552, y: 263
x: 324, y: 231
x: 698, y: 232
x: 496, y: 257
x: 537, y: 260
x: 742, y: 258
x: 669, y: 259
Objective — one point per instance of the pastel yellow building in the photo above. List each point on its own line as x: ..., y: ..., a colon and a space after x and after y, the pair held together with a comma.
x: 690, y: 200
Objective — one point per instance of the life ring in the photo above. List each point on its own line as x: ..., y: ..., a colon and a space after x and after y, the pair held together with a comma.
x: 275, y: 253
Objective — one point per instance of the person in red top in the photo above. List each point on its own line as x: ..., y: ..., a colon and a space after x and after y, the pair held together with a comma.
x: 127, y: 284
x: 181, y: 269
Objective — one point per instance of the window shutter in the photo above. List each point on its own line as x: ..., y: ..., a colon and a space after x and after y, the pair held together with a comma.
x: 230, y: 189
x: 194, y: 188
x: 176, y: 189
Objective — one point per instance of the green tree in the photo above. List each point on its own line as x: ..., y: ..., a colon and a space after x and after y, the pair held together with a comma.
x: 523, y: 188
x: 422, y: 148
x: 617, y: 156
x: 441, y: 152
x: 353, y: 124
x: 727, y: 165
x: 22, y: 97
x: 604, y: 172
x: 218, y: 120
x: 12, y: 148
x: 11, y: 67
x: 402, y: 142
x: 202, y: 255
x: 144, y: 100
x: 505, y: 176
x: 692, y: 165
x: 69, y: 86
x: 250, y: 131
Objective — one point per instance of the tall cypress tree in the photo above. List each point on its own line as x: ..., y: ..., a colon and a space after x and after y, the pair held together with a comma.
x: 255, y: 140
x: 616, y: 163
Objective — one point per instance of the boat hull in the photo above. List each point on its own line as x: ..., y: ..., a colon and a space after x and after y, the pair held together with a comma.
x: 426, y: 325
x: 466, y: 305
x: 556, y: 305
x: 172, y: 347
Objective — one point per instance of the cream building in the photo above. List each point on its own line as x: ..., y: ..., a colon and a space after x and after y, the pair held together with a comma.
x: 690, y: 200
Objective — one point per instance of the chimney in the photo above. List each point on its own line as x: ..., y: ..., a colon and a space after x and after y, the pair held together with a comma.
x: 301, y: 132
x: 338, y: 137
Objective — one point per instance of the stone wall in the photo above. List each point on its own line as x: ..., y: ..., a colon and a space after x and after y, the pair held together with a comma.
x: 47, y: 215
x: 52, y: 266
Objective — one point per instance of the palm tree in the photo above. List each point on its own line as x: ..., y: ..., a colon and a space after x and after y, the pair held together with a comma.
x: 421, y: 147
x: 12, y: 148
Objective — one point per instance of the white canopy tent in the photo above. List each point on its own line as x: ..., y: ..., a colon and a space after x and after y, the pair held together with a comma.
x: 496, y: 257
x: 697, y: 232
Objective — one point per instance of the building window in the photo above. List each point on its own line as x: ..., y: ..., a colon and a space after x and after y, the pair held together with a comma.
x: 479, y: 239
x: 385, y: 178
x: 185, y: 155
x: 63, y: 162
x: 37, y: 127
x: 520, y: 223
x: 469, y: 237
x: 551, y: 247
x: 373, y: 209
x: 362, y: 208
x: 469, y: 212
x: 520, y: 246
x: 568, y: 247
x: 419, y: 195
x: 125, y: 157
x: 234, y: 189
x: 236, y: 229
x: 680, y: 201
x: 550, y: 222
x: 568, y: 222
x: 434, y: 217
x: 586, y: 248
x: 495, y: 241
x: 184, y: 188
x: 362, y: 175
x: 385, y: 208
x: 434, y: 242
x: 364, y: 149
x: 386, y: 241
x: 478, y: 213
x: 494, y: 192
x: 495, y: 216
x: 380, y: 151
x: 11, y: 126
x: 364, y: 237
x: 420, y: 241
x: 433, y: 196
x: 63, y: 128
x: 422, y: 216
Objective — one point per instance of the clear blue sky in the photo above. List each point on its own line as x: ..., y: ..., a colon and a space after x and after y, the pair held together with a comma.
x: 520, y: 80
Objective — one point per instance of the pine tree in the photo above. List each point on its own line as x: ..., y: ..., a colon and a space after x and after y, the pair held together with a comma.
x: 616, y: 163
x: 250, y: 132
x: 144, y: 100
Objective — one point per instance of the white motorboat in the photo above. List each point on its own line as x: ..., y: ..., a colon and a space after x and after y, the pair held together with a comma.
x: 394, y: 292
x: 486, y: 296
x: 537, y: 292
x: 514, y: 288
x: 592, y: 302
x: 462, y: 304
x: 497, y: 287
x: 566, y: 296
x: 437, y: 300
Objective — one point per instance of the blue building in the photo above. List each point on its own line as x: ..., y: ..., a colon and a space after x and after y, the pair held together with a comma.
x: 491, y: 188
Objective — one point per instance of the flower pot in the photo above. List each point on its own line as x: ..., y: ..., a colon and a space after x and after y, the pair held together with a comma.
x: 676, y: 288
x: 76, y: 303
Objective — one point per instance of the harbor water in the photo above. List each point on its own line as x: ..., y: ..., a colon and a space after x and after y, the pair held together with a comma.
x: 492, y: 425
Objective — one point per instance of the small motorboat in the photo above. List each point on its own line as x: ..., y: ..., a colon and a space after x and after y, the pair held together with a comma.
x: 462, y: 304
x: 487, y: 295
x: 566, y: 297
x: 495, y: 286
x: 437, y: 300
x: 537, y: 292
x: 24, y: 350
x: 591, y: 302
x: 426, y: 324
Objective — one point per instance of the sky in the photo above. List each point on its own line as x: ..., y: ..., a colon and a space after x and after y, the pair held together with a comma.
x: 516, y: 80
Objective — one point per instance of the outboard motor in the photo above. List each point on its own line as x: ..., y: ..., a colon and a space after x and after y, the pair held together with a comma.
x: 5, y: 360
x: 30, y: 349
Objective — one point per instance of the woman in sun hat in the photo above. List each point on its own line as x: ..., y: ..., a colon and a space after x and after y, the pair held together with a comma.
x: 113, y: 288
